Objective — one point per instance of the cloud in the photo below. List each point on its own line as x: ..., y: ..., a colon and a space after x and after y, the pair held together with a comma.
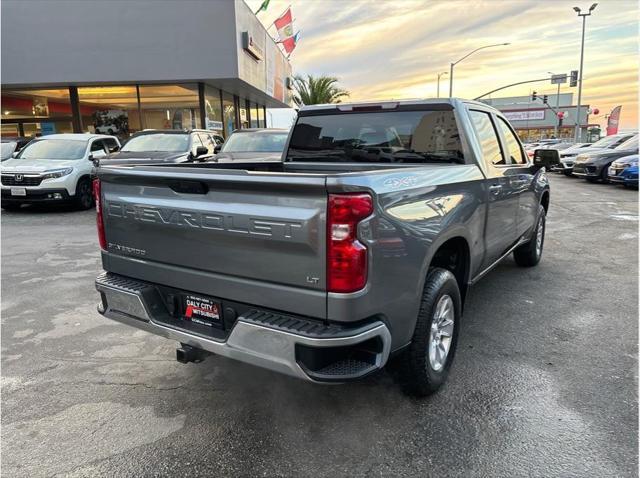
x: 394, y: 49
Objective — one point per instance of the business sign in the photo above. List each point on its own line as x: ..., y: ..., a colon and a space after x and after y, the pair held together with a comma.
x: 252, y: 47
x: 558, y: 79
x: 531, y: 115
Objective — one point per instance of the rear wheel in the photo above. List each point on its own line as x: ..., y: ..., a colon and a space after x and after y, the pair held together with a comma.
x: 84, y: 194
x: 424, y: 366
x: 529, y: 254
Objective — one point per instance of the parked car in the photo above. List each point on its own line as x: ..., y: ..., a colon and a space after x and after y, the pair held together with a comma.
x: 11, y: 145
x: 107, y: 129
x: 253, y: 145
x: 53, y: 168
x: 625, y: 171
x: 154, y: 146
x: 594, y: 166
x: 322, y: 266
x: 568, y: 156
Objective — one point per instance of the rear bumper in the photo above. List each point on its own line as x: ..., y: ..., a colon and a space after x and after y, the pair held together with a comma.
x: 310, y: 350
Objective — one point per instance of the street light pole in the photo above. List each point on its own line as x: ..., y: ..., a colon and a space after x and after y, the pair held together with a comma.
x: 556, y: 128
x: 467, y: 55
x: 439, y: 75
x: 584, y: 24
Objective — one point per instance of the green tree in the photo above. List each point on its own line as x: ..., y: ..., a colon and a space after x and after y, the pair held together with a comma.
x: 314, y: 90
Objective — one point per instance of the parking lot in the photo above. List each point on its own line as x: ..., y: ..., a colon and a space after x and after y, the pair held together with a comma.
x: 544, y: 382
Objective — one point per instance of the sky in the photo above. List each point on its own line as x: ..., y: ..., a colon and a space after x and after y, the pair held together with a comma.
x: 388, y: 49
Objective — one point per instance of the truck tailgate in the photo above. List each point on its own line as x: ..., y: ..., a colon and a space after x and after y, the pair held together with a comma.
x: 259, y: 231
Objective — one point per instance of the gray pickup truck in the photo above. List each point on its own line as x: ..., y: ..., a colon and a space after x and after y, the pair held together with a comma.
x: 357, y: 248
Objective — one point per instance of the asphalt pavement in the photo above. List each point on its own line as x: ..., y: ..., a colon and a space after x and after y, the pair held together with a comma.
x: 544, y: 382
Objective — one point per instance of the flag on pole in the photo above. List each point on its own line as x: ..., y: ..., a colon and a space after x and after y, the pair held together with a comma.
x: 290, y: 43
x: 263, y: 6
x: 284, y: 25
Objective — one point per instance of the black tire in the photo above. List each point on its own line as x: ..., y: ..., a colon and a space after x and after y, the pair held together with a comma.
x: 84, y: 195
x: 567, y: 172
x: 604, y: 174
x: 591, y: 179
x: 110, y: 131
x: 11, y: 206
x: 415, y: 372
x: 529, y: 255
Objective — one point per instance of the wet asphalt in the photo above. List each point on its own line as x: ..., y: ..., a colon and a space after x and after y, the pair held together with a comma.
x: 544, y: 382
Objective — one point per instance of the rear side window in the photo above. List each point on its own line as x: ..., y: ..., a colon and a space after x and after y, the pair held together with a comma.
x: 408, y: 136
x: 112, y: 144
x: 487, y: 137
x: 513, y: 146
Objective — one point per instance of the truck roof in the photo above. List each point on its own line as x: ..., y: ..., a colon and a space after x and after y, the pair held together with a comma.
x: 391, y: 104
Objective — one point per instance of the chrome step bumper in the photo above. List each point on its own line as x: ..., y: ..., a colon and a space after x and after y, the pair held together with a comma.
x: 263, y: 339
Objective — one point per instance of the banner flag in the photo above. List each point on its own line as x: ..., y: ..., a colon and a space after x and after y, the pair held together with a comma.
x: 614, y: 119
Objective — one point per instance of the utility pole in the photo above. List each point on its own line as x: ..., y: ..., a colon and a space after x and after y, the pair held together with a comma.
x: 579, y: 107
x: 557, y: 125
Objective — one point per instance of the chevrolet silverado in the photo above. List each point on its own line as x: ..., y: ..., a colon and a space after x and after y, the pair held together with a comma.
x: 357, y: 248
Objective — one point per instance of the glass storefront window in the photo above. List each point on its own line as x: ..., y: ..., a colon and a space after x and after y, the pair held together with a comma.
x: 229, y: 113
x: 109, y: 109
x: 261, y: 121
x: 244, y: 114
x: 170, y: 106
x: 36, y: 112
x: 254, y: 115
x: 213, y: 109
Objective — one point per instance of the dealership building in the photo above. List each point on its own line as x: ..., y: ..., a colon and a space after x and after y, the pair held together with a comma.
x: 112, y: 67
x: 535, y: 120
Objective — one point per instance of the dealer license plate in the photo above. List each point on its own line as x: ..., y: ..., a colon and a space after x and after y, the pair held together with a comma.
x: 201, y: 310
x: 18, y: 191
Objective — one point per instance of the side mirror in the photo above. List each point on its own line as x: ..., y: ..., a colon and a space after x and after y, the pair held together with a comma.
x: 217, y: 148
x: 200, y: 151
x: 15, y: 154
x: 97, y: 155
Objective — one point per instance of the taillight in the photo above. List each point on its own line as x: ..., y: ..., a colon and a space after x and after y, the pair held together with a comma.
x: 346, y: 256
x: 99, y: 221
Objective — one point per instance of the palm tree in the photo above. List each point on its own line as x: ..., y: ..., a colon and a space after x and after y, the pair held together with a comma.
x: 316, y: 90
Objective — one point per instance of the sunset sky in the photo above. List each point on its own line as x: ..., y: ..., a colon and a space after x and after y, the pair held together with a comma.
x: 394, y: 49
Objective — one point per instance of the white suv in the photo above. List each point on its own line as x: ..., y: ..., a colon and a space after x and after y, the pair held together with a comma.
x: 54, y: 168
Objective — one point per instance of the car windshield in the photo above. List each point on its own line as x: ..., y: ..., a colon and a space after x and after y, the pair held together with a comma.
x: 7, y: 149
x: 174, y: 143
x: 259, y: 142
x: 394, y: 136
x: 606, y: 142
x: 631, y: 143
x: 54, y: 149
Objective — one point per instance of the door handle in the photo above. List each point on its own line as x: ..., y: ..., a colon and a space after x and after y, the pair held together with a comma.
x: 495, y: 189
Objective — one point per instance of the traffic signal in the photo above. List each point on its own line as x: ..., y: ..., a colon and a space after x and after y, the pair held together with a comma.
x: 573, y: 81
x: 534, y: 96
x: 545, y: 98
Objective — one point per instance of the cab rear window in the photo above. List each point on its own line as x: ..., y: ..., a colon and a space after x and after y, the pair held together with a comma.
x: 422, y: 136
